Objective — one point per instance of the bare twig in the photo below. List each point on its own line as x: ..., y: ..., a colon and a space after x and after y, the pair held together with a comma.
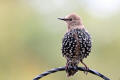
x: 63, y: 68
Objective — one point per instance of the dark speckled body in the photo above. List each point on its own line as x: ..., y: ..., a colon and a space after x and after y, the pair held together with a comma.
x: 76, y: 46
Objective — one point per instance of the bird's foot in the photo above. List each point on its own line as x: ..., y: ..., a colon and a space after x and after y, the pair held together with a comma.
x: 71, y: 70
x: 86, y: 70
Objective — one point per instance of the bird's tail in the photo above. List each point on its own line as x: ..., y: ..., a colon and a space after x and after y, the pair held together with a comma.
x: 71, y: 68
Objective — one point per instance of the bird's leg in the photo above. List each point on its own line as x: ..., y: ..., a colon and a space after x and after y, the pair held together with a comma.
x: 86, y: 68
x: 68, y: 68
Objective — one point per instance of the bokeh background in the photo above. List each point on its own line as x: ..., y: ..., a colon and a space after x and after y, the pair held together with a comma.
x: 31, y: 36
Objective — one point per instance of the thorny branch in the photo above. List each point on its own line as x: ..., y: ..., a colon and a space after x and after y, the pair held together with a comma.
x: 63, y: 68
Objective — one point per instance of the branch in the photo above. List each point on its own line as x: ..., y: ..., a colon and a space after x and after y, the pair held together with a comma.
x: 63, y: 68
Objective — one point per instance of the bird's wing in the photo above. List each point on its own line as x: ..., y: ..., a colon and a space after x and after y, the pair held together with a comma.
x: 85, y: 43
x: 68, y: 44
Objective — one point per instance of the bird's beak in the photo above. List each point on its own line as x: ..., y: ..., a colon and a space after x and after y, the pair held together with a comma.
x: 61, y: 19
x: 64, y: 19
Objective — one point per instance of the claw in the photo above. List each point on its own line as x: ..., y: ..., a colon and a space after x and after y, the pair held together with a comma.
x: 70, y: 70
x: 75, y: 68
x: 86, y: 70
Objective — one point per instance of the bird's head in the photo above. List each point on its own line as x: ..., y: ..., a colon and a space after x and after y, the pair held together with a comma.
x: 72, y: 20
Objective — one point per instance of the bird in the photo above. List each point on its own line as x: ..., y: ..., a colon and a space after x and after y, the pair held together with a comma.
x: 76, y: 43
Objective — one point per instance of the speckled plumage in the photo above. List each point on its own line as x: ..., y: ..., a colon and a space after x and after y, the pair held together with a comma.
x: 69, y: 44
x: 76, y: 45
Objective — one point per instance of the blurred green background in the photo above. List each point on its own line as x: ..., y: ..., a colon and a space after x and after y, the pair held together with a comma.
x: 31, y: 36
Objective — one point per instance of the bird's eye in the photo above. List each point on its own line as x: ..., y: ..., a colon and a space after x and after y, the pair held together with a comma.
x: 70, y: 19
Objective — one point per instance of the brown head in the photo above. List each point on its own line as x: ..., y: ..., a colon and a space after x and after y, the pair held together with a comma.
x: 73, y: 21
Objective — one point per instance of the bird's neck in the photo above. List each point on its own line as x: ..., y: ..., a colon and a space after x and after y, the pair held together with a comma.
x: 75, y: 27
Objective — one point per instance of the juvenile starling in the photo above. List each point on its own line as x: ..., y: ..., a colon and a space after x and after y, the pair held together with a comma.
x: 76, y: 44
